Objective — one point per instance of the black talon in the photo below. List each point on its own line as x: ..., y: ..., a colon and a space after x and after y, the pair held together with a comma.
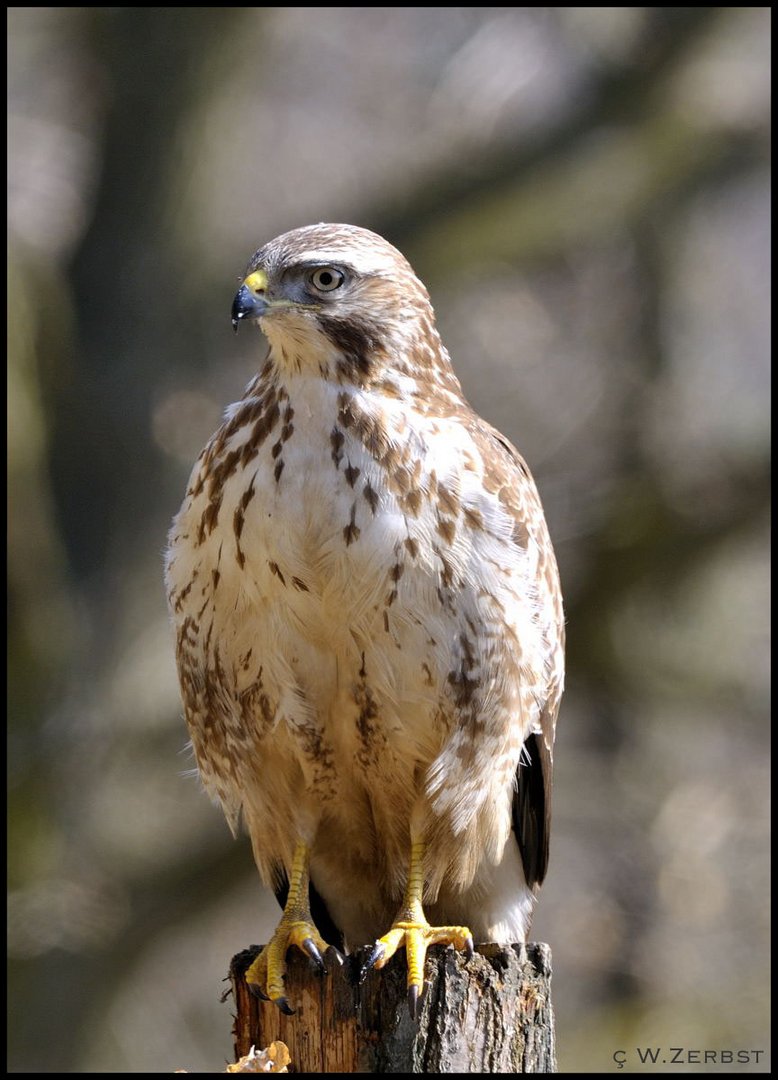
x: 257, y: 992
x: 312, y: 950
x: 469, y: 947
x: 376, y: 953
x: 413, y: 1002
x: 337, y: 955
x: 284, y: 1006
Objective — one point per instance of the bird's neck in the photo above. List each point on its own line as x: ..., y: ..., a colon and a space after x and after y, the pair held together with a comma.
x: 411, y: 368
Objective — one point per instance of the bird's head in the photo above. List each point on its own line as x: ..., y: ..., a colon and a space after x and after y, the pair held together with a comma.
x: 339, y: 297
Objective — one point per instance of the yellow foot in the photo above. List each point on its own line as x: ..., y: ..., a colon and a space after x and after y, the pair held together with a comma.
x: 416, y: 935
x: 412, y: 930
x: 265, y: 977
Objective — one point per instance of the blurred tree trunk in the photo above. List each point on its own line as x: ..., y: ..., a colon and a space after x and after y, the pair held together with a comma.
x: 103, y: 326
x: 154, y: 66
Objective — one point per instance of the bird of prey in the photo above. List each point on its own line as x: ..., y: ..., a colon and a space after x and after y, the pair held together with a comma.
x: 368, y: 618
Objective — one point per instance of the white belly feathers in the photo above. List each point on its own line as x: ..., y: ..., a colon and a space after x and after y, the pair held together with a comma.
x: 369, y: 601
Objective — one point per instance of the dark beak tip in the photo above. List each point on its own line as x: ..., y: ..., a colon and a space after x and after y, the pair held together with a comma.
x: 246, y: 306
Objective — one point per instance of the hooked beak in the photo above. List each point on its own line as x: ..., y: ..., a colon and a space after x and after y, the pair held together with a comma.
x: 250, y: 300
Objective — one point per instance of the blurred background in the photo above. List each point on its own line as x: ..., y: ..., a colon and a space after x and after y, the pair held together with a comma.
x: 585, y: 191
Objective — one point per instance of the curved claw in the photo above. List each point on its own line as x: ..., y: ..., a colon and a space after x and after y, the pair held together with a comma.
x: 310, y: 947
x: 413, y: 1002
x: 284, y: 1006
x: 469, y: 948
x: 336, y: 955
x: 256, y: 990
x: 376, y: 953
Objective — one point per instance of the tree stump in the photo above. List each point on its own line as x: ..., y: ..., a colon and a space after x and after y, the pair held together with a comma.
x: 490, y: 1014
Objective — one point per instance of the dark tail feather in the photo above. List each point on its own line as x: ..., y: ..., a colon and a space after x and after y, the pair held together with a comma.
x: 531, y: 812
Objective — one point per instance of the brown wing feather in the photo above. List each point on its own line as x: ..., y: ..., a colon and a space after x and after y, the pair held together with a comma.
x: 532, y: 799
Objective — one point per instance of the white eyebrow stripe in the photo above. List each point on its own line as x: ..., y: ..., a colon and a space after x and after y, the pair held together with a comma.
x: 364, y: 262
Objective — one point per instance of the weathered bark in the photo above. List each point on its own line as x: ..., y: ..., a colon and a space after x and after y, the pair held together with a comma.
x: 491, y: 1014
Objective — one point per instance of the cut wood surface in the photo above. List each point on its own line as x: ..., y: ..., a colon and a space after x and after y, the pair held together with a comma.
x: 490, y: 1014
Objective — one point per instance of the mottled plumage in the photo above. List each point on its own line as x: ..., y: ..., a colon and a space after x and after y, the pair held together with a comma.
x: 366, y: 603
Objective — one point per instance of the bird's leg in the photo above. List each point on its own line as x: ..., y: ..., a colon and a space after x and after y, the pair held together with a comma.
x: 265, y: 977
x: 412, y: 930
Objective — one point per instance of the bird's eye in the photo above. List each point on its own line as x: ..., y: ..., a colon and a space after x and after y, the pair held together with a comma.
x: 327, y: 278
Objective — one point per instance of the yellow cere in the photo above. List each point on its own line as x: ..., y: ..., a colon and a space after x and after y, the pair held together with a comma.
x: 257, y: 281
